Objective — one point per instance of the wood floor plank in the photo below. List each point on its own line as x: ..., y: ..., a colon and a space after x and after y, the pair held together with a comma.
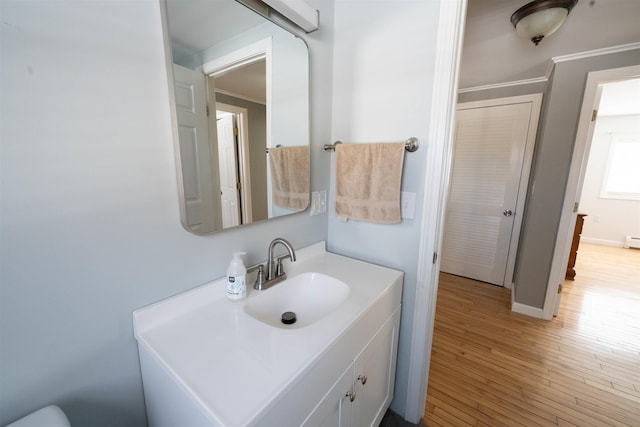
x: 452, y: 414
x: 492, y: 367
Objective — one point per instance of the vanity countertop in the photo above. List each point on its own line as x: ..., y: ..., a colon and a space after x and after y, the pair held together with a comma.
x: 235, y: 366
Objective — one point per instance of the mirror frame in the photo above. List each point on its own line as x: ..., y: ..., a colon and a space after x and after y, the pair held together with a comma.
x: 168, y: 53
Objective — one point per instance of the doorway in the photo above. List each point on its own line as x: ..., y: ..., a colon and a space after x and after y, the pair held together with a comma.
x: 584, y: 137
x: 611, y: 188
x: 233, y: 167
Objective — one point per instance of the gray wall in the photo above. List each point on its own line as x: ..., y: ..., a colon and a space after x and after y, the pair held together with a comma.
x: 550, y: 171
x: 90, y: 229
x: 383, y: 73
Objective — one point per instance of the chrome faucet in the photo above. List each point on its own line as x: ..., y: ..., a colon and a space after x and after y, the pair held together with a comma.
x: 275, y: 271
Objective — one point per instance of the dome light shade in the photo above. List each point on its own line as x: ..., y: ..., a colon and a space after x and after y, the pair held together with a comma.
x: 541, y: 18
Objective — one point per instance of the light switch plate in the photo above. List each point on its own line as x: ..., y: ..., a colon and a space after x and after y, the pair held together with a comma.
x: 322, y: 201
x: 407, y: 205
x: 314, y: 203
x: 318, y: 202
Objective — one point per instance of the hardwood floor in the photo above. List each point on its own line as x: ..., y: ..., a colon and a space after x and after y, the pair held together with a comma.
x: 492, y: 367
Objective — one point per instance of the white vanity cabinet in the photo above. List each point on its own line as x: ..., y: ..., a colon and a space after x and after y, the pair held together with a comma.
x: 363, y: 392
x: 375, y: 373
x: 207, y: 362
x: 335, y: 408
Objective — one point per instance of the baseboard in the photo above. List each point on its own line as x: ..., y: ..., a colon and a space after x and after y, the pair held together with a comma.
x: 603, y: 242
x: 526, y: 310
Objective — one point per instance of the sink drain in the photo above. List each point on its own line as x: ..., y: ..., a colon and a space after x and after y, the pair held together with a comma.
x: 288, y: 318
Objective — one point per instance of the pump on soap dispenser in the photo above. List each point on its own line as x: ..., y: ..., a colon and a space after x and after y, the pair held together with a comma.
x: 237, y: 278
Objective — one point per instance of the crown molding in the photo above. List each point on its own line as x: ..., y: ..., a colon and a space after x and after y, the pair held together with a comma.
x: 241, y: 96
x: 504, y: 84
x: 596, y: 52
x: 552, y: 62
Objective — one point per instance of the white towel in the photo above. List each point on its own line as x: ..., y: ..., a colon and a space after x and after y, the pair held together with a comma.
x: 368, y: 179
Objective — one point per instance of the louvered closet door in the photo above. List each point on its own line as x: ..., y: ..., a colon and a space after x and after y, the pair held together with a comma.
x: 488, y: 159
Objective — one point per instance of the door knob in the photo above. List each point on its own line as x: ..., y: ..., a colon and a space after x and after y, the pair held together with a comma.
x: 507, y: 212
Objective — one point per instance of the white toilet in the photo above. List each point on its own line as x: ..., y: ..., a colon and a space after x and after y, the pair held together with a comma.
x: 50, y: 416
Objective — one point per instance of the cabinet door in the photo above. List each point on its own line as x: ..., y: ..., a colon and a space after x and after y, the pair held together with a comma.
x: 374, y: 371
x: 334, y: 410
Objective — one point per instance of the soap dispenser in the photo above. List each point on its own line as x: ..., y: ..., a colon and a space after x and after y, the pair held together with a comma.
x: 237, y: 278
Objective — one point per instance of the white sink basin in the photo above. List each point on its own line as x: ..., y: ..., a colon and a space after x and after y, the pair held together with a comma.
x: 311, y: 296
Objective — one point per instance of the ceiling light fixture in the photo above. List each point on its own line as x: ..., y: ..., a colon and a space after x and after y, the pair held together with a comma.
x: 541, y: 18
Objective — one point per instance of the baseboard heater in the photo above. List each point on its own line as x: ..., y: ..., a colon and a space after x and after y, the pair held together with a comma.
x: 632, y: 242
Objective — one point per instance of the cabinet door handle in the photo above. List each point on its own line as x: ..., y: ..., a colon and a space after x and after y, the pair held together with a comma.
x: 362, y: 379
x: 351, y: 395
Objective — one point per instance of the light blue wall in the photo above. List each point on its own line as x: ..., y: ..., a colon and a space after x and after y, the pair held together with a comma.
x: 383, y: 74
x: 90, y: 228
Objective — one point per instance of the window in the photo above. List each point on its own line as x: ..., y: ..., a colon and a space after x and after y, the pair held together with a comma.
x: 622, y: 176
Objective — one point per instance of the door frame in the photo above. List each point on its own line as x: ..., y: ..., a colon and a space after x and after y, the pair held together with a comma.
x: 582, y: 145
x: 243, y: 161
x: 438, y: 155
x: 534, y: 117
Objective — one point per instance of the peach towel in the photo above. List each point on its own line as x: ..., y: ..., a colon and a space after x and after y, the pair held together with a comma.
x: 368, y: 179
x: 290, y: 176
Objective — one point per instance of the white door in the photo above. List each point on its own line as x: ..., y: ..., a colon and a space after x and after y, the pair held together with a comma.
x: 200, y: 184
x: 492, y: 156
x: 244, y: 158
x: 228, y: 171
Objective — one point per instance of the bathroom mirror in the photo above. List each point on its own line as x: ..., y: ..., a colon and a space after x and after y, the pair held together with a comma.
x: 240, y: 89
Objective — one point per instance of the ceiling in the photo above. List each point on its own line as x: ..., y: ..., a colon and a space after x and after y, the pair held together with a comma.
x: 248, y: 82
x: 195, y: 25
x: 492, y: 52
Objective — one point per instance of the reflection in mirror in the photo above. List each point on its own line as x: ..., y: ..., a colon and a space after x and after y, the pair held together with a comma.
x: 241, y: 88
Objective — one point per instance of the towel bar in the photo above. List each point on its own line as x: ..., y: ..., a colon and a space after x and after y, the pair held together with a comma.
x: 266, y: 150
x: 412, y: 144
